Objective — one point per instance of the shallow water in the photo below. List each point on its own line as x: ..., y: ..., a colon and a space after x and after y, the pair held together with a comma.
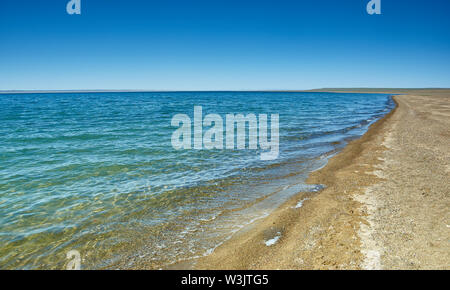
x: 96, y: 172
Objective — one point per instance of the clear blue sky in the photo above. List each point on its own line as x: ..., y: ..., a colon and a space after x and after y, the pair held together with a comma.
x: 223, y: 45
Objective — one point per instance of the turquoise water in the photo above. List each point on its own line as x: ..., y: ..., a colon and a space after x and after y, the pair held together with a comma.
x: 96, y: 172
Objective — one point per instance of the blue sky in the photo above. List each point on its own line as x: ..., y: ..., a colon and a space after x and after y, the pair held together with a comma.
x: 223, y: 45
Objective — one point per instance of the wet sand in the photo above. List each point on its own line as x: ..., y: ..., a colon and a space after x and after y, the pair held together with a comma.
x: 386, y: 204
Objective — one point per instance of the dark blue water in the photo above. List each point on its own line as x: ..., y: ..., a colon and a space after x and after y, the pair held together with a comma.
x: 97, y: 173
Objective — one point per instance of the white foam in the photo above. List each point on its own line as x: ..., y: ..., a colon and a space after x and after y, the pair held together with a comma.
x: 272, y: 241
x: 208, y: 219
x: 300, y: 203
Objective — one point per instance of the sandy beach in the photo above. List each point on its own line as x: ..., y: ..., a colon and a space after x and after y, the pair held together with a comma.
x: 385, y: 205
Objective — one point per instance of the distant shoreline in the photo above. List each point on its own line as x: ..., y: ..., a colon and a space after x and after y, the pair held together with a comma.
x: 323, y: 90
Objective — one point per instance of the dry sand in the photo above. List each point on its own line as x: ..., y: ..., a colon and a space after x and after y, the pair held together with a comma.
x: 386, y: 205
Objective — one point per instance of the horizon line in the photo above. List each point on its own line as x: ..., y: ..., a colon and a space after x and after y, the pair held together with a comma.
x: 185, y: 91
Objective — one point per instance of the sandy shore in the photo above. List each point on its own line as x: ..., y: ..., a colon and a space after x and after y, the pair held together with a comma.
x: 386, y: 205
